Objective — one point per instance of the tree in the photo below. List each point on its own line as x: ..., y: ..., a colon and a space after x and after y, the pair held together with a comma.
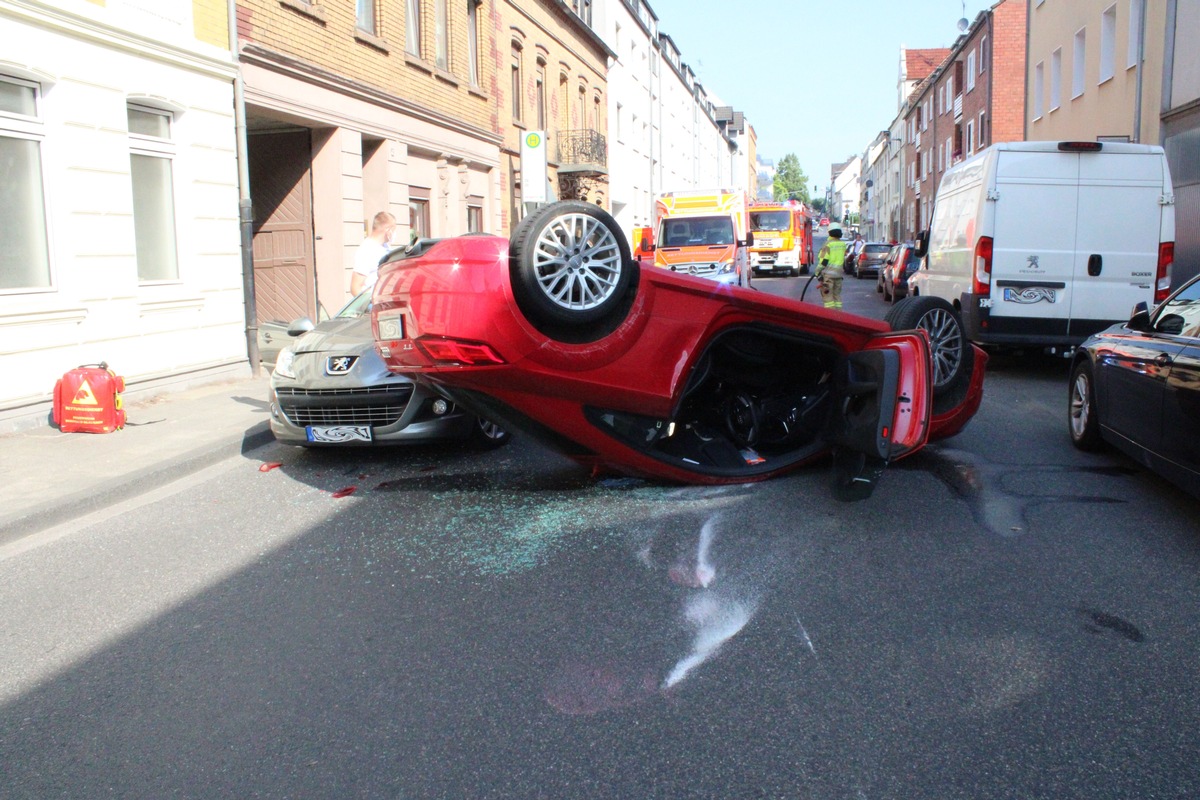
x: 790, y: 180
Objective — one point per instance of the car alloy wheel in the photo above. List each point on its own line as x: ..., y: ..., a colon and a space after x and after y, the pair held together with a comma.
x: 570, y: 264
x: 1081, y: 405
x: 953, y: 355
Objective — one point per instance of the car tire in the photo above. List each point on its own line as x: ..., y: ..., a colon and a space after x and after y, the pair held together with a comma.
x: 953, y: 354
x: 1083, y: 422
x: 570, y: 265
x: 487, y: 435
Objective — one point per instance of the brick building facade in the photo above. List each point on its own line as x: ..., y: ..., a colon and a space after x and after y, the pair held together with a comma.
x: 975, y: 98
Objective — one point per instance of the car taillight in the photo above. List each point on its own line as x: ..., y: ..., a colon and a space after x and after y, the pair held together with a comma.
x: 1162, y: 281
x: 457, y: 351
x: 981, y: 278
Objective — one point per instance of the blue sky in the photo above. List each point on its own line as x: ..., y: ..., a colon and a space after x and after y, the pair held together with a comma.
x: 817, y: 79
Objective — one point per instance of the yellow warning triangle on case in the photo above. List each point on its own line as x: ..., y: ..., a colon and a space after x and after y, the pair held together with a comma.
x: 84, y: 396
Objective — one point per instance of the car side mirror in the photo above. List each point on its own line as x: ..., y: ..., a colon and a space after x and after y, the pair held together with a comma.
x: 922, y: 244
x: 300, y: 326
x: 1139, y: 318
x: 748, y: 241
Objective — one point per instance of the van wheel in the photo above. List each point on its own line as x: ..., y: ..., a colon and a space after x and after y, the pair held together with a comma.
x: 1082, y: 419
x: 953, y: 355
x: 570, y: 265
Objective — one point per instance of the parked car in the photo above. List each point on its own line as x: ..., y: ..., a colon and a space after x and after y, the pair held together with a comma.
x: 1136, y: 386
x: 654, y: 373
x: 897, y: 271
x: 329, y: 387
x: 871, y: 258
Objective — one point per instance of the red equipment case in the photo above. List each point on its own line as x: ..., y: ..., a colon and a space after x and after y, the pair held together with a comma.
x: 88, y: 400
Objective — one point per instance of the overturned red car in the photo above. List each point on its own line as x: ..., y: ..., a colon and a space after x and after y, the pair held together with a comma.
x: 560, y: 334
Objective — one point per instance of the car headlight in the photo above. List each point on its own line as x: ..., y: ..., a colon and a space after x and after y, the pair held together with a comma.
x: 283, y: 363
x: 726, y: 268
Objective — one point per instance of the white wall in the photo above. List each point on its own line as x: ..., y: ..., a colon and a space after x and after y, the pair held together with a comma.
x: 96, y: 308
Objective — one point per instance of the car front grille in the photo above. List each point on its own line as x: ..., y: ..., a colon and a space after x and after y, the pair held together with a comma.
x: 696, y: 269
x: 376, y: 406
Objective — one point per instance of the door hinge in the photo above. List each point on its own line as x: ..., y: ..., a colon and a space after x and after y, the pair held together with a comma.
x: 993, y: 194
x: 1166, y: 200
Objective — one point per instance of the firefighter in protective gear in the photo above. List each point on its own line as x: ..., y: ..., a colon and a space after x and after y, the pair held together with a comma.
x: 829, y: 272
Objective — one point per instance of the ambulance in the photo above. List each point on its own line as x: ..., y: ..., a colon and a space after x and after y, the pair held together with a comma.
x: 704, y: 233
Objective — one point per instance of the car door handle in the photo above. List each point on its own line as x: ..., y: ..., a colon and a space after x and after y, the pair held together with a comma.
x: 1162, y: 360
x: 1095, y: 264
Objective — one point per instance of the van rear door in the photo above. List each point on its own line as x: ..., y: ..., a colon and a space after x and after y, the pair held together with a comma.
x: 1116, y: 241
x: 1034, y: 245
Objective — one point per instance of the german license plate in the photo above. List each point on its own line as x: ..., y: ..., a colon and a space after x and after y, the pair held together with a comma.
x: 337, y: 434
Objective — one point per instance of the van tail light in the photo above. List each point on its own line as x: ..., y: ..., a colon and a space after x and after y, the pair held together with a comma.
x: 458, y: 351
x: 981, y: 280
x: 1162, y: 281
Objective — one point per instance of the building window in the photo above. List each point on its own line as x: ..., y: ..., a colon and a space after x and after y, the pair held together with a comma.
x: 25, y: 253
x: 1039, y: 89
x: 940, y: 157
x: 981, y: 130
x: 475, y: 217
x: 1079, y: 60
x: 949, y: 152
x: 150, y: 154
x: 617, y: 122
x: 418, y: 217
x: 983, y: 55
x: 441, y: 38
x: 1108, y: 43
x: 517, y: 105
x: 412, y: 27
x: 970, y: 137
x: 970, y: 70
x: 364, y: 16
x: 942, y: 99
x: 1135, y: 34
x: 1056, y: 79
x: 473, y: 41
x: 584, y: 9
x: 541, y: 93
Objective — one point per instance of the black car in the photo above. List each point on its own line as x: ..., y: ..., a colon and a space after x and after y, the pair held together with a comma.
x: 871, y: 259
x: 1136, y: 386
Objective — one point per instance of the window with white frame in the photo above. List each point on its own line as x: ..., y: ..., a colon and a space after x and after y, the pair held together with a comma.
x: 441, y: 34
x: 1039, y: 90
x: 970, y: 70
x: 949, y: 152
x: 25, y: 254
x: 1135, y: 34
x: 1108, y: 42
x: 941, y: 160
x: 412, y: 27
x: 1078, y: 62
x: 984, y: 55
x: 150, y: 155
x: 1056, y: 79
x: 473, y: 41
x: 981, y: 130
x: 364, y: 15
x: 942, y: 99
x: 970, y: 147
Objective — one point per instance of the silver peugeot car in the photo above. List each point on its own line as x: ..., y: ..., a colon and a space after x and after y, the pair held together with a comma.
x: 330, y: 387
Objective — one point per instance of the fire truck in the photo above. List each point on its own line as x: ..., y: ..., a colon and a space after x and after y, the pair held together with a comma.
x: 783, y: 238
x: 704, y: 233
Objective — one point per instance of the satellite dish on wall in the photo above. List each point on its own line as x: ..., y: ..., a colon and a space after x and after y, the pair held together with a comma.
x: 963, y: 24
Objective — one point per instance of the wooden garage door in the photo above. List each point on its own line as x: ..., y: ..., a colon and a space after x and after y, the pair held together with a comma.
x: 281, y: 191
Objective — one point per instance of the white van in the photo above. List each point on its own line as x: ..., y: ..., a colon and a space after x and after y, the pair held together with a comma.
x: 1046, y: 243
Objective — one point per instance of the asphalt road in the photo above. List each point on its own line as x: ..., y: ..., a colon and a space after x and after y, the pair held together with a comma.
x: 1005, y: 618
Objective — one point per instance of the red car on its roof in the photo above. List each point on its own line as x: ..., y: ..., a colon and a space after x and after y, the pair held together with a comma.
x: 642, y: 371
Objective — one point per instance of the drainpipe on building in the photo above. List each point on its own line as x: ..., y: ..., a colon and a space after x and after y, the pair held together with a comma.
x: 245, y: 210
x: 1141, y: 54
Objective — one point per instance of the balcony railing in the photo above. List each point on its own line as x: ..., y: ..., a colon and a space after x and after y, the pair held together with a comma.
x: 582, y: 151
x: 958, y: 106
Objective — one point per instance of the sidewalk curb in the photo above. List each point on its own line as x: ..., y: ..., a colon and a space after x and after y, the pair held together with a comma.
x: 127, y: 487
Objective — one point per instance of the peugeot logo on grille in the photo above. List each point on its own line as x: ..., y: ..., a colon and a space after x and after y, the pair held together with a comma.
x: 339, y: 365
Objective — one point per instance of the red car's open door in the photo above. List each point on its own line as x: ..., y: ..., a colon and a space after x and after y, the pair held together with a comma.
x: 885, y: 398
